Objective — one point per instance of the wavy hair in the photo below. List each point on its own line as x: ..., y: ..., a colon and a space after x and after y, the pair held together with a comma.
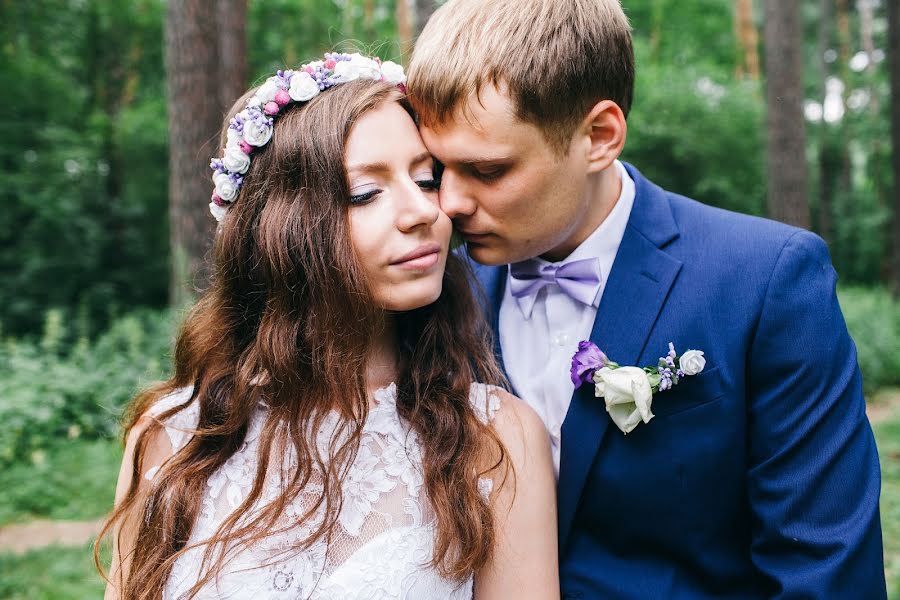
x: 286, y: 319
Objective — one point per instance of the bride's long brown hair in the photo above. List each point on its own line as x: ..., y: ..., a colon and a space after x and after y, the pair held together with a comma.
x: 287, y: 320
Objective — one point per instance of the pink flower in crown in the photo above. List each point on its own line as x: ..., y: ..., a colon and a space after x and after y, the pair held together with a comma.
x: 271, y: 108
x: 330, y: 63
x: 247, y: 148
x: 282, y: 97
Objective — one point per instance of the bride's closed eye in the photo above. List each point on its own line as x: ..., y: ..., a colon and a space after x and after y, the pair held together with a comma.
x: 362, y: 197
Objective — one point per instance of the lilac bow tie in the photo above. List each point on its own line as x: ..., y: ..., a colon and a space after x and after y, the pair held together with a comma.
x: 580, y: 279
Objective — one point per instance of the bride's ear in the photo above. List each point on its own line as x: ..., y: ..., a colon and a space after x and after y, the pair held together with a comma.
x: 605, y: 127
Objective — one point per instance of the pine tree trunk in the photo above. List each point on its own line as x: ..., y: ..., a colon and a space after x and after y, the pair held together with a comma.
x: 748, y: 38
x: 826, y: 153
x: 231, y: 18
x: 404, y: 27
x: 192, y: 66
x: 424, y: 10
x: 787, y: 198
x: 893, y: 54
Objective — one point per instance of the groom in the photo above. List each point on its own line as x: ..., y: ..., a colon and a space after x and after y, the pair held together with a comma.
x: 757, y: 478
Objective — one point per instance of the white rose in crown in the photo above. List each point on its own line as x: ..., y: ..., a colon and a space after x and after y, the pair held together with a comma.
x: 233, y: 138
x: 235, y: 159
x: 257, y: 132
x: 692, y: 362
x: 225, y: 187
x: 217, y: 211
x: 303, y: 87
x: 267, y: 91
x: 393, y: 73
x: 628, y: 395
x: 358, y: 67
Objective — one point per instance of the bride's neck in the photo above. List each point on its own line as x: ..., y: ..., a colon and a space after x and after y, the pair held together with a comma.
x: 382, y: 363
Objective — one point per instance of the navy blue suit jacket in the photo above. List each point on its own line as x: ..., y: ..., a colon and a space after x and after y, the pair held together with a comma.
x: 757, y: 478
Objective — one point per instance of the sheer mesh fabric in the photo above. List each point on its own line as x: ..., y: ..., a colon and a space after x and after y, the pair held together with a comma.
x: 382, y: 545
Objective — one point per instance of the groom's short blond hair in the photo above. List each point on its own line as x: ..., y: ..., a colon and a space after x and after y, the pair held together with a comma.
x: 556, y: 59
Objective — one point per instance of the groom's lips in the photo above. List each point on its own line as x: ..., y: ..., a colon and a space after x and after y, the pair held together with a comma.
x: 474, y: 238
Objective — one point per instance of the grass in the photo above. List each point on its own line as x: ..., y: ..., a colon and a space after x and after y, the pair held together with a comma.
x: 52, y: 573
x: 888, y: 437
x: 75, y: 480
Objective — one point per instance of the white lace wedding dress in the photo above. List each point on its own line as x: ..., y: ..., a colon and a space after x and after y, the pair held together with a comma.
x: 383, y: 542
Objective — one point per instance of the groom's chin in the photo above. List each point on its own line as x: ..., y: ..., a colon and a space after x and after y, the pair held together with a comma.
x: 486, y: 255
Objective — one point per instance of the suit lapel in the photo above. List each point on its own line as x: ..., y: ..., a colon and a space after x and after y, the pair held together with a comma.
x: 493, y: 284
x: 635, y: 292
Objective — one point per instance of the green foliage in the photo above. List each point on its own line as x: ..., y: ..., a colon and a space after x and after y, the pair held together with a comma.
x: 696, y: 132
x: 53, y: 573
x: 84, y: 191
x: 55, y: 390
x: 873, y: 319
x: 72, y: 480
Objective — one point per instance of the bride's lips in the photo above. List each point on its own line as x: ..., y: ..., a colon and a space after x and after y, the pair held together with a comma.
x: 423, y: 257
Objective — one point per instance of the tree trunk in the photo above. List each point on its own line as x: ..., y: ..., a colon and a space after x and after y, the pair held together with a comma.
x: 893, y: 53
x: 748, y: 39
x: 787, y: 198
x: 404, y: 27
x: 826, y: 153
x: 192, y: 66
x: 369, y: 18
x: 424, y: 10
x: 231, y: 16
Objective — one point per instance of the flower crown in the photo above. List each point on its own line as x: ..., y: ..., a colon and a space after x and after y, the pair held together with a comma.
x: 252, y: 127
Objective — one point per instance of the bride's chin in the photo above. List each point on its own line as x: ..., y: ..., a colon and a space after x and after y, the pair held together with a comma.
x: 407, y: 298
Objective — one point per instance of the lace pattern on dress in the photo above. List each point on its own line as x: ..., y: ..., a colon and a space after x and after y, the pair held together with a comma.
x: 382, y: 546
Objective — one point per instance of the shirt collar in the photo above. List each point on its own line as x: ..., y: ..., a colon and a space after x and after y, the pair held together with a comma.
x: 603, y: 243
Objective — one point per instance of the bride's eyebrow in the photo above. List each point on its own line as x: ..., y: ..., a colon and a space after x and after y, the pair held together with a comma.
x: 383, y: 167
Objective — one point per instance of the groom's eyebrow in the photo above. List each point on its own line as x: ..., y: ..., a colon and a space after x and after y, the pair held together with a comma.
x: 480, y: 160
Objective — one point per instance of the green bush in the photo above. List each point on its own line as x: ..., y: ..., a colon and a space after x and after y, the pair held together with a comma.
x: 873, y: 318
x: 52, y: 573
x: 52, y: 390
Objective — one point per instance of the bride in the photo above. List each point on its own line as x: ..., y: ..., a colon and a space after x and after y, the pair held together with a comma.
x: 329, y: 430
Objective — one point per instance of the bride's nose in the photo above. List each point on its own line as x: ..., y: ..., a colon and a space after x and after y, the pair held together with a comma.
x: 416, y: 208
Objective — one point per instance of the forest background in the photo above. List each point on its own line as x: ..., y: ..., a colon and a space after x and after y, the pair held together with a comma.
x: 789, y: 110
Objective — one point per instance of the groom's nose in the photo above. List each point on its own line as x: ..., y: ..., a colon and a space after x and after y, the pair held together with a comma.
x: 455, y: 199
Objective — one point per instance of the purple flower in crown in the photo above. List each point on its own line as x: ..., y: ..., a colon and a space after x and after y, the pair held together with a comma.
x: 217, y: 165
x: 236, y: 124
x: 588, y: 359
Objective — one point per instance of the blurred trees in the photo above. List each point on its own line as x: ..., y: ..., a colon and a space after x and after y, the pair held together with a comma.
x: 85, y: 166
x: 894, y: 61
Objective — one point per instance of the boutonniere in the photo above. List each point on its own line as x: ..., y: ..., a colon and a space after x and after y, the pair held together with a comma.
x: 628, y: 391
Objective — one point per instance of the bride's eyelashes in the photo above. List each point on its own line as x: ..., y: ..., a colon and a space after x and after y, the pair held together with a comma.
x: 432, y: 184
x: 364, y: 197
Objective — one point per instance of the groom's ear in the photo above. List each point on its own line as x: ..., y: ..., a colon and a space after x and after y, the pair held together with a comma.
x: 605, y: 129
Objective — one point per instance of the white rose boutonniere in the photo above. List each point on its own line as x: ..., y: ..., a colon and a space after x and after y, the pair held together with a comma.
x: 692, y: 362
x: 627, y: 394
x: 628, y: 391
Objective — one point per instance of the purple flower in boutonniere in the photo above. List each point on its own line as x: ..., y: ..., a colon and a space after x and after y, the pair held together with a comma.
x: 586, y: 361
x: 628, y: 391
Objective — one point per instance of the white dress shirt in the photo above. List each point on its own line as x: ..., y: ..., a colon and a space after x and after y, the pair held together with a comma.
x: 538, y: 347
